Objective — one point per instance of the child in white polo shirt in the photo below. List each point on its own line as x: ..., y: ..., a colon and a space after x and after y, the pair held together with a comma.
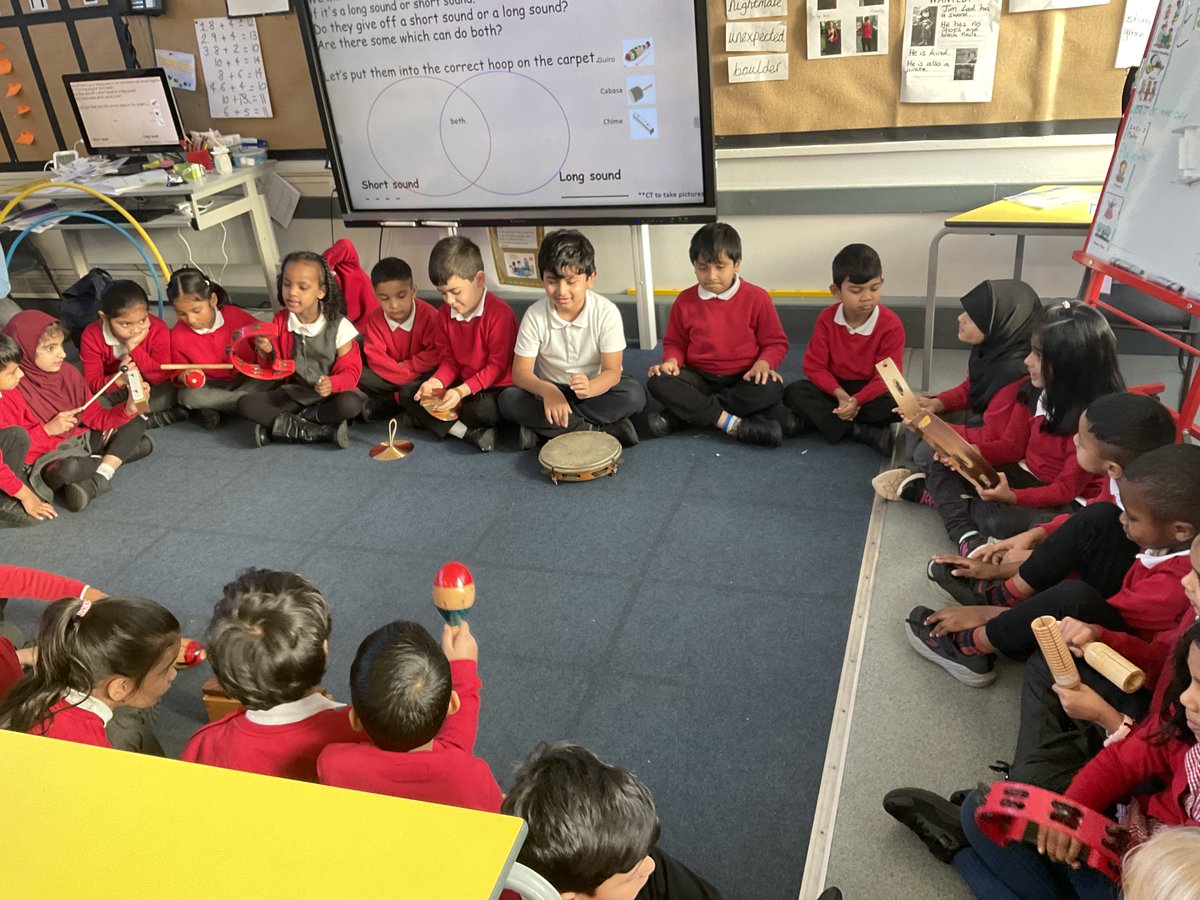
x: 567, y: 372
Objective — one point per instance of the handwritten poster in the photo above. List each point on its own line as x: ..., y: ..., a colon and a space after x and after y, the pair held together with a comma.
x: 950, y: 51
x: 761, y: 67
x: 1020, y: 6
x: 1135, y: 32
x: 754, y: 9
x: 758, y: 37
x: 838, y: 28
x: 233, y: 68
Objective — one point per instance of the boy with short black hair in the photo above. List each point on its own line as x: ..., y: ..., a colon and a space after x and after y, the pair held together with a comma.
x: 419, y: 705
x: 567, y: 372
x: 268, y: 643
x: 398, y: 338
x: 723, y: 345
x: 594, y: 829
x: 843, y: 394
x: 475, y: 332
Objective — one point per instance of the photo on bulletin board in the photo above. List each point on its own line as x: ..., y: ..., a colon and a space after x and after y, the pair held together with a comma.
x: 515, y: 250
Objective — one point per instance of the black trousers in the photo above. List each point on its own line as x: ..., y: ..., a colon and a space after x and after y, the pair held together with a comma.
x: 814, y: 406
x: 698, y: 398
x: 480, y: 410
x: 376, y: 387
x: 120, y: 443
x: 624, y: 399
x: 264, y: 407
x: 672, y: 880
x: 962, y: 510
x: 14, y: 446
x: 1011, y: 635
x: 1051, y: 746
x: 1091, y: 544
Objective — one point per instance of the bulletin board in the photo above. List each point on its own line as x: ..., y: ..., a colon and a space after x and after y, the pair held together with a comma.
x: 1052, y: 68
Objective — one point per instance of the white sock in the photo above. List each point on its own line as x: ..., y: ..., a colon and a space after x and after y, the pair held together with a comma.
x: 105, y: 471
x: 458, y: 430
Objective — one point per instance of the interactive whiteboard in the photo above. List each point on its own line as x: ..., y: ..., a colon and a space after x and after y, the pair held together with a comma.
x: 1146, y: 220
x: 505, y: 110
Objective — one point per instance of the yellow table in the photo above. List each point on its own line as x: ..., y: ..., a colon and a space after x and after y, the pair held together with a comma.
x: 1006, y: 217
x: 98, y: 823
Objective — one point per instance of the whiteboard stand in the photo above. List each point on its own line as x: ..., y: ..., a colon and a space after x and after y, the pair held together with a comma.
x: 643, y: 281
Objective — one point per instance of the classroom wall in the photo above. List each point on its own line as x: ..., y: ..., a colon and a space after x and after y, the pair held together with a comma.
x: 794, y: 208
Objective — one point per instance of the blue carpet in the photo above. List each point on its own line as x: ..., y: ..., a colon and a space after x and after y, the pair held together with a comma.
x: 686, y: 618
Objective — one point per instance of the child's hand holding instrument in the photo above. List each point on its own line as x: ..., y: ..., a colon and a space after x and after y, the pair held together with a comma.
x: 1104, y: 659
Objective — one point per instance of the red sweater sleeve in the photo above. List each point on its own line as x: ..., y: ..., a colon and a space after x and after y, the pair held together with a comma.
x: 459, y: 730
x: 448, y: 367
x: 1070, y: 482
x: 9, y: 409
x: 423, y: 343
x: 92, y: 354
x: 10, y: 667
x: 768, y: 331
x: 1006, y: 442
x: 377, y: 345
x: 347, y: 369
x: 18, y: 581
x: 891, y: 344
x: 675, y: 338
x: 956, y: 398
x: 97, y: 418
x: 152, y: 353
x: 1118, y: 769
x: 817, y: 355
x: 500, y: 337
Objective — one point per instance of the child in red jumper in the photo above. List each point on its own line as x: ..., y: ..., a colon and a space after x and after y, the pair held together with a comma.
x: 72, y: 454
x: 723, y: 345
x: 316, y: 402
x: 268, y: 644
x: 21, y: 506
x: 476, y: 333
x: 93, y: 657
x: 1160, y: 491
x: 400, y: 340
x: 127, y: 334
x: 1073, y: 361
x: 843, y: 394
x: 204, y: 325
x: 420, y: 706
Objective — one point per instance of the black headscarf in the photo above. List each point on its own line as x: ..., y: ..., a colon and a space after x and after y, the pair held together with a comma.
x: 1007, y: 312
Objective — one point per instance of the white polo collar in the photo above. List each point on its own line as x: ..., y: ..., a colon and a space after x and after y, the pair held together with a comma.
x: 218, y: 324
x: 296, y: 711
x: 865, y: 328
x: 90, y: 703
x: 297, y: 327
x: 407, y: 324
x: 559, y: 323
x: 706, y: 294
x: 475, y: 313
x: 1152, y: 558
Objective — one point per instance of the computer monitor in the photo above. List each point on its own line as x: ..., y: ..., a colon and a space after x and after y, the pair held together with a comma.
x: 127, y: 112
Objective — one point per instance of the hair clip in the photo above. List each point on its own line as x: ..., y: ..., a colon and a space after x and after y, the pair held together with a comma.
x: 83, y: 608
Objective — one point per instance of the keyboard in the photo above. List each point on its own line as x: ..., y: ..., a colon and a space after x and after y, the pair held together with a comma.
x: 108, y: 214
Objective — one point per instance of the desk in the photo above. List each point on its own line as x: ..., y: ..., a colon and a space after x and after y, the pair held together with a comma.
x: 224, y: 197
x: 1008, y: 218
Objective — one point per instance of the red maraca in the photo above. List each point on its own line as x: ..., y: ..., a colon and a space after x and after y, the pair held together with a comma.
x: 454, y: 592
x: 193, y: 378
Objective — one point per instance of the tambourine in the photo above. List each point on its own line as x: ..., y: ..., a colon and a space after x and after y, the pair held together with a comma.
x: 1011, y: 811
x: 279, y: 368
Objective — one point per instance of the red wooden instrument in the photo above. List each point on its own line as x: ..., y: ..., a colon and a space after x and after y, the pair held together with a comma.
x: 1009, y: 811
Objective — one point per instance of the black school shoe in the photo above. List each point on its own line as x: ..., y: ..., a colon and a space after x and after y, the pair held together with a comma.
x: 623, y: 431
x: 877, y: 437
x: 77, y: 496
x: 660, y: 424
x: 967, y: 591
x: 760, y: 432
x: 934, y: 820
x: 483, y: 438
x: 977, y: 670
x: 166, y: 417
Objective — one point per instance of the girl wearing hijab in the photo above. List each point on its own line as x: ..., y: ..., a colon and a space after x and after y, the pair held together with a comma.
x: 997, y: 320
x: 73, y: 452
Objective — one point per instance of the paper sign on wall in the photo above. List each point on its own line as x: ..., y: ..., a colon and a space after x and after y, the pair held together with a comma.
x: 1020, y: 6
x: 766, y: 67
x: 754, y: 9
x: 950, y: 51
x: 838, y: 28
x: 759, y: 37
x: 180, y: 68
x: 233, y: 68
x: 1135, y: 32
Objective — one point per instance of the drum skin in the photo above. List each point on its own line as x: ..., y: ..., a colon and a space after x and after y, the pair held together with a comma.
x: 580, y: 456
